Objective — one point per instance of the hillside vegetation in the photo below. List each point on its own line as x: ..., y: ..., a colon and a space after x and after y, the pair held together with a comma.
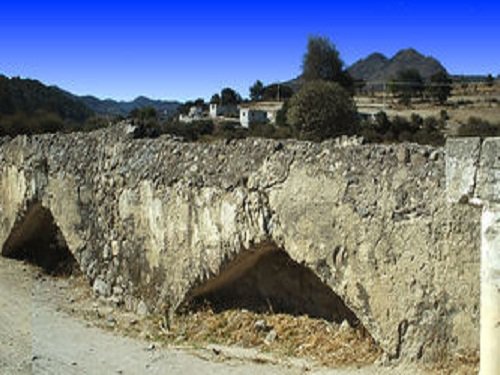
x: 29, y: 107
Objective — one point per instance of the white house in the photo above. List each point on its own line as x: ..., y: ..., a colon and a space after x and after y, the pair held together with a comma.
x: 195, y: 113
x: 259, y: 112
x: 217, y: 110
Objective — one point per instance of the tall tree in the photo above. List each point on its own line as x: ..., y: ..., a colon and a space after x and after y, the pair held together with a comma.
x: 322, y: 62
x: 256, y: 90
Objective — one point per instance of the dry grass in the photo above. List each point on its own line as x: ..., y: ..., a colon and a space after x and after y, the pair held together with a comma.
x: 467, y: 364
x: 317, y: 340
x: 483, y: 102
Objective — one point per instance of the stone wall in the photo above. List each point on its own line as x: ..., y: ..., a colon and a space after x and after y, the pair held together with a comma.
x: 153, y: 221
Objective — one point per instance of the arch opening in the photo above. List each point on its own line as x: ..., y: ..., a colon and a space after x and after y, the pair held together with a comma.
x: 37, y: 239
x: 269, y: 280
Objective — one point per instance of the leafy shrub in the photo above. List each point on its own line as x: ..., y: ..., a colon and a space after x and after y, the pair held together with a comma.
x: 322, y: 110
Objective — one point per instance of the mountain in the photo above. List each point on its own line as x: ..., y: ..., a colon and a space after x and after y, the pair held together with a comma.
x: 28, y: 106
x: 32, y: 98
x: 377, y: 67
x: 369, y: 66
x: 123, y: 108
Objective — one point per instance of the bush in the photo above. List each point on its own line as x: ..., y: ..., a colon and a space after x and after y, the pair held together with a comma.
x: 322, y: 110
x: 477, y: 127
x: 266, y: 130
x: 189, y: 131
x: 400, y: 129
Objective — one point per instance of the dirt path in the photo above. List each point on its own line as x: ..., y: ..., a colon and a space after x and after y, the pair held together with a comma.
x: 16, y: 306
x: 36, y: 337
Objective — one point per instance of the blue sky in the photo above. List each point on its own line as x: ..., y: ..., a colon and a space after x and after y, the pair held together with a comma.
x: 183, y: 50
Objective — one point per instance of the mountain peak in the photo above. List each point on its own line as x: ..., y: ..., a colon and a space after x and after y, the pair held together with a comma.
x: 377, y: 67
x: 376, y: 56
x: 408, y: 52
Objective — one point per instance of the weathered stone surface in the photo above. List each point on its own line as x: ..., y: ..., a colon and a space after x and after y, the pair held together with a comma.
x: 462, y: 162
x: 158, y: 219
x: 489, y: 172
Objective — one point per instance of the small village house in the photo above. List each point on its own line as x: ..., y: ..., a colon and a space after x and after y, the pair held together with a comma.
x: 219, y: 110
x: 195, y: 113
x: 259, y: 112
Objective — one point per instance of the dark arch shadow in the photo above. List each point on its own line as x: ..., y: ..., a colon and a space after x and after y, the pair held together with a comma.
x: 270, y: 281
x: 37, y: 239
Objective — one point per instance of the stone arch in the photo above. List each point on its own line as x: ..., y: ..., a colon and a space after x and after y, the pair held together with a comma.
x: 269, y: 280
x: 37, y: 239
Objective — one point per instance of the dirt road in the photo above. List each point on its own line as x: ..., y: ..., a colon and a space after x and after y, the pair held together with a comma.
x: 36, y: 337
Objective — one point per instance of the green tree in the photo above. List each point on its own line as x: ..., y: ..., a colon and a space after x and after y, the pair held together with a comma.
x: 200, y: 102
x: 440, y: 87
x: 406, y: 85
x: 256, y: 90
x: 229, y: 96
x: 322, y: 62
x: 215, y: 99
x: 185, y: 107
x: 277, y: 91
x: 321, y: 110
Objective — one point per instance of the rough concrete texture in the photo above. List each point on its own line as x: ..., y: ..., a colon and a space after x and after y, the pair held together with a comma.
x: 461, y: 168
x: 150, y: 222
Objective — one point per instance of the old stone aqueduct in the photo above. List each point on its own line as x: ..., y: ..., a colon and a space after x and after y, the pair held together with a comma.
x: 387, y: 235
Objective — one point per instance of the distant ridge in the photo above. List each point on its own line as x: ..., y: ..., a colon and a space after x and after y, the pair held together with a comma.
x: 28, y: 106
x: 122, y: 108
x: 377, y: 67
